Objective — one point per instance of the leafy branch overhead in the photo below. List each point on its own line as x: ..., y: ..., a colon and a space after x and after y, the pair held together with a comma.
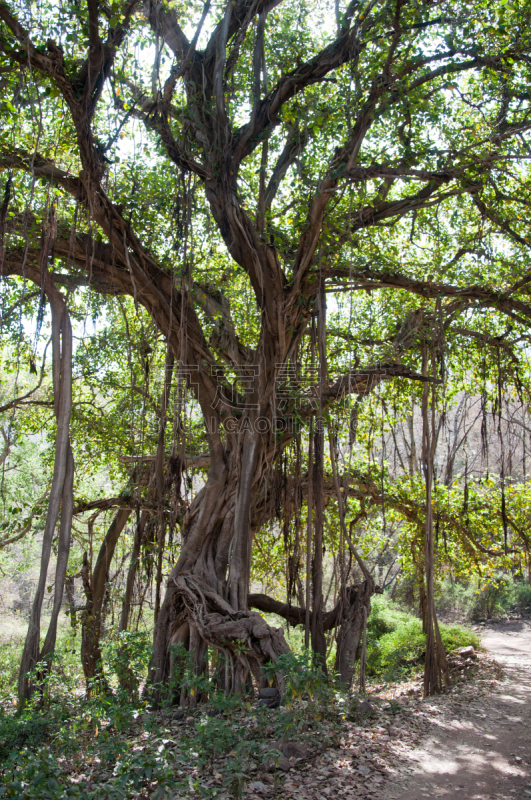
x: 286, y: 250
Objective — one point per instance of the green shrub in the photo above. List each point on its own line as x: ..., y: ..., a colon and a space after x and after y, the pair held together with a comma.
x: 385, y: 617
x: 499, y: 595
x: 491, y: 599
x: 457, y: 636
x: 396, y: 645
x: 455, y: 599
x: 127, y: 654
x: 10, y: 654
x: 30, y: 730
x: 301, y: 672
x: 394, y: 654
x: 522, y: 598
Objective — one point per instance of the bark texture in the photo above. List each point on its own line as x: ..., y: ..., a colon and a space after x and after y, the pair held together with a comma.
x: 61, y: 493
x: 95, y: 586
x: 351, y: 636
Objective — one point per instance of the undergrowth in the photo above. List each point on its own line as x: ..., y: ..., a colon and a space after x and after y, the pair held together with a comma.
x: 396, y: 645
x: 113, y: 746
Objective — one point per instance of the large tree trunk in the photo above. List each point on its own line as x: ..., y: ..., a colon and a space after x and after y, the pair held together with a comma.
x: 351, y: 645
x: 207, y: 592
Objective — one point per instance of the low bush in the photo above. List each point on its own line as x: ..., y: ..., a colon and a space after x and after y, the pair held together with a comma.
x: 396, y: 645
x: 498, y: 596
x: 30, y: 730
x: 9, y: 663
x: 455, y: 600
x: 385, y: 617
x: 112, y: 746
x: 522, y: 598
x: 492, y: 599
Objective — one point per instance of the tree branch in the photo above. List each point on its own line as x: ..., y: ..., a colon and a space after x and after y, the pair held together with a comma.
x: 485, y: 296
x: 42, y: 168
x: 296, y: 616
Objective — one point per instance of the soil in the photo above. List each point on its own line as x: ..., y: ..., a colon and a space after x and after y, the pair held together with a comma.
x: 479, y: 748
x: 471, y: 743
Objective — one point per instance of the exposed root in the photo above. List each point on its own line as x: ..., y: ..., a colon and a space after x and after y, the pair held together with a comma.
x: 244, y: 638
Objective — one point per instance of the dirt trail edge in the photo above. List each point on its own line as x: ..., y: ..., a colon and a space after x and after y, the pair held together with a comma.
x: 472, y: 743
x: 477, y: 745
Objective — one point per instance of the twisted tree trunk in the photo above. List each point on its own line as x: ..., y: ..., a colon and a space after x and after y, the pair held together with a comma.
x: 351, y: 643
x: 206, y: 601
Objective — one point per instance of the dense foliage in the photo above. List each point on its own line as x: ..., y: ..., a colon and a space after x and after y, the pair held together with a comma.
x: 265, y: 308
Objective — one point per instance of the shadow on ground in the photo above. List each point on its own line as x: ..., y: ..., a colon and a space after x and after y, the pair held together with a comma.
x: 480, y: 750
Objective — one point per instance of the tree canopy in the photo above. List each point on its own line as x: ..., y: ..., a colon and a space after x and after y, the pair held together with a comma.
x: 281, y: 250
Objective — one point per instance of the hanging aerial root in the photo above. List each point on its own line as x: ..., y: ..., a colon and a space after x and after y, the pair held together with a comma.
x: 60, y: 502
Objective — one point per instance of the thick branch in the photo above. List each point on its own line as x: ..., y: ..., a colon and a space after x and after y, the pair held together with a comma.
x: 40, y: 167
x: 485, y: 296
x: 295, y: 615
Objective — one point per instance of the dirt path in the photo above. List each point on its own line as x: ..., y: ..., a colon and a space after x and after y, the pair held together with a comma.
x: 472, y: 743
x: 478, y: 748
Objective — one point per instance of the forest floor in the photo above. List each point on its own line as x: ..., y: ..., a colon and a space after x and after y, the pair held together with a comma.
x: 472, y: 743
x: 476, y: 744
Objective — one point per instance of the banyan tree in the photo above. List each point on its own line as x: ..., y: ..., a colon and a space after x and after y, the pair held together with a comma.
x: 280, y: 138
